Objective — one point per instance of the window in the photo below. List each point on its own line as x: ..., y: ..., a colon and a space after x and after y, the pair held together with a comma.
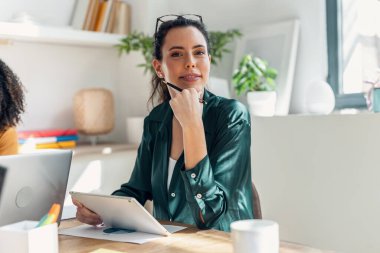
x: 353, y: 37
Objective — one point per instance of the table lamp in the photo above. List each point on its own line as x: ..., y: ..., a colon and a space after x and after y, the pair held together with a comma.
x: 94, y: 112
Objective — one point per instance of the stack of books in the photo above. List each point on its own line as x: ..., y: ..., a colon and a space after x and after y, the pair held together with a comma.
x: 109, y: 16
x: 45, y: 139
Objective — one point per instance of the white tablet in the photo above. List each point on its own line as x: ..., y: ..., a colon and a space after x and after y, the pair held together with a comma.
x: 121, y: 212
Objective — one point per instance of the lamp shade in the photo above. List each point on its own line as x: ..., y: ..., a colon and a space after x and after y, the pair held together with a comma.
x: 94, y: 112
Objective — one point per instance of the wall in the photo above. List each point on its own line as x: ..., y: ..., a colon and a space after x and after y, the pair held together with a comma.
x: 52, y: 12
x: 52, y: 75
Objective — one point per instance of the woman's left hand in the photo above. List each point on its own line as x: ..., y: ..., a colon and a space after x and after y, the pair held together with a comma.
x: 186, y: 107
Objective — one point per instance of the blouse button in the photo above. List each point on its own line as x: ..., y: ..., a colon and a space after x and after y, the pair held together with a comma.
x: 172, y: 194
x: 199, y: 196
x: 193, y: 175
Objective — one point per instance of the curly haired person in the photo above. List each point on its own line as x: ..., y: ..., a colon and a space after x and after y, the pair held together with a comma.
x: 11, y: 107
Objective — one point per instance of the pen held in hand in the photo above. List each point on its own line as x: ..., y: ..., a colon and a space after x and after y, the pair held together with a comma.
x: 173, y: 86
x: 180, y: 90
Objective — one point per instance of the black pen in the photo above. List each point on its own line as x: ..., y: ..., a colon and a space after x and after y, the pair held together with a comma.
x: 180, y: 90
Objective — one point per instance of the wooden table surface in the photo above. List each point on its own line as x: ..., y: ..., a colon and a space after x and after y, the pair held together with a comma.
x: 189, y: 240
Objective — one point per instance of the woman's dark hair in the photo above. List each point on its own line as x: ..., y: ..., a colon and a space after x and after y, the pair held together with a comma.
x: 158, y: 88
x: 11, y: 98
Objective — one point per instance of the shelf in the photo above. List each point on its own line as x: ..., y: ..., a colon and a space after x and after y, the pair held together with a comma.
x: 103, y: 148
x: 56, y: 35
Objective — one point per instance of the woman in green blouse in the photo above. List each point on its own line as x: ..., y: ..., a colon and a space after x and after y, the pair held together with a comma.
x: 194, y: 157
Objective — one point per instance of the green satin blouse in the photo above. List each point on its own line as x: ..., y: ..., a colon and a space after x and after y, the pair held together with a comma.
x: 217, y: 191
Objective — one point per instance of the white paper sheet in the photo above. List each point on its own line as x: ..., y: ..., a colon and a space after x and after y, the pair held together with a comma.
x: 89, y: 231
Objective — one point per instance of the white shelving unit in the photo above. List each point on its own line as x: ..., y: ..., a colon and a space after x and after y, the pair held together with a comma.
x: 56, y: 35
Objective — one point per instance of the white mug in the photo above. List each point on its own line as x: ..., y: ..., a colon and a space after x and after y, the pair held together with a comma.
x: 258, y: 236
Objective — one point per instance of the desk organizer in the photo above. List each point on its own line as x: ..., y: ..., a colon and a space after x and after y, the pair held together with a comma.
x: 24, y: 237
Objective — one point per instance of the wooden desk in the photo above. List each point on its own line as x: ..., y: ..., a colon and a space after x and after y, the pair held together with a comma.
x: 189, y: 240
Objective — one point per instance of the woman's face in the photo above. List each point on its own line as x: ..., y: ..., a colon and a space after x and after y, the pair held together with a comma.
x: 185, y: 61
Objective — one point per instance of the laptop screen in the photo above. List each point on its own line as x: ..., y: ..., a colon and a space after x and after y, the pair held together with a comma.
x: 32, y: 184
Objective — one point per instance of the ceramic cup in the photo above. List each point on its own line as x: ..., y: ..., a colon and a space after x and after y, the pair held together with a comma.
x: 258, y: 236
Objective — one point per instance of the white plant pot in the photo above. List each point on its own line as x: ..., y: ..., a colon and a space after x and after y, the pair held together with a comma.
x: 262, y: 103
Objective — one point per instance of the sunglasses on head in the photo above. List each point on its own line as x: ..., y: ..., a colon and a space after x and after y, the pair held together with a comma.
x: 171, y: 17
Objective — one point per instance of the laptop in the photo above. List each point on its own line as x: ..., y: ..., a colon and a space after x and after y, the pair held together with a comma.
x: 33, y: 182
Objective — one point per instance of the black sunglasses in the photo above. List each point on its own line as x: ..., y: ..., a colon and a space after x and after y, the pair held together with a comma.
x: 171, y: 17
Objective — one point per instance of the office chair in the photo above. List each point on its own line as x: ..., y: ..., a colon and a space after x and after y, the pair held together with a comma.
x: 256, y: 203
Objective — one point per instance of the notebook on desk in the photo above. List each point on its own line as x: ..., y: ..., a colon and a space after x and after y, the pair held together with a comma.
x: 33, y: 182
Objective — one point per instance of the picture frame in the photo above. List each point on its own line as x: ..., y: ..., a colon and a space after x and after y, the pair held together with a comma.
x: 277, y: 44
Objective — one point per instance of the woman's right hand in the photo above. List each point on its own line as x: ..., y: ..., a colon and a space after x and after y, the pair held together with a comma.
x: 85, y: 215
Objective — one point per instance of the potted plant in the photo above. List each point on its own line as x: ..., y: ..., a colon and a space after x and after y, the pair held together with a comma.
x: 137, y: 41
x: 257, y: 79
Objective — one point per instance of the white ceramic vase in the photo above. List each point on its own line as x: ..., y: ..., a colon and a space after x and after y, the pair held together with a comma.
x: 319, y: 98
x: 262, y: 103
